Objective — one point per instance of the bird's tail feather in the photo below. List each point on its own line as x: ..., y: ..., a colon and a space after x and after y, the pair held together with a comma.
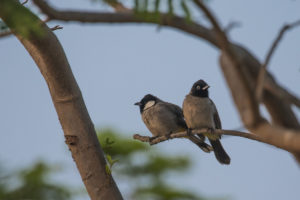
x: 200, y: 143
x: 220, y: 153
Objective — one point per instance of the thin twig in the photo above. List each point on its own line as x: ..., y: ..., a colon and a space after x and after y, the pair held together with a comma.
x: 57, y: 27
x: 117, y: 6
x: 5, y: 33
x: 26, y: 1
x: 8, y: 33
x: 220, y: 34
x: 155, y: 140
x: 262, y: 72
x: 231, y: 26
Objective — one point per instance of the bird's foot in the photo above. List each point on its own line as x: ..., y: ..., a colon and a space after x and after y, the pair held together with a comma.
x: 152, y: 138
x: 189, y: 131
x: 168, y: 136
x: 210, y: 130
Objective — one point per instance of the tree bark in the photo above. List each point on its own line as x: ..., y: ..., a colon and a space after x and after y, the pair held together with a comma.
x: 78, y: 128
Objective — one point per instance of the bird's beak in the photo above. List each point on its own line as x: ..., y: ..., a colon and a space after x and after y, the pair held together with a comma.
x: 137, y: 104
x: 205, y: 87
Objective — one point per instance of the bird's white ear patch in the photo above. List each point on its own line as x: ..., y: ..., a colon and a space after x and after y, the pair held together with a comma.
x: 149, y: 104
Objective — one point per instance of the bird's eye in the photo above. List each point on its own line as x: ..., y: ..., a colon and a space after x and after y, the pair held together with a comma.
x: 198, y: 87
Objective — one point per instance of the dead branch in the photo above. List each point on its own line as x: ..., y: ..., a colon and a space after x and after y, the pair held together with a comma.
x: 262, y: 72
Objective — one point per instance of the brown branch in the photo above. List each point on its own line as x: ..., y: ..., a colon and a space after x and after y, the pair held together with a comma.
x: 220, y: 34
x: 129, y: 17
x: 243, y: 96
x: 164, y: 19
x: 156, y: 140
x: 5, y: 33
x: 117, y: 6
x: 74, y: 118
x: 289, y: 140
x: 235, y: 74
x: 231, y: 26
x: 262, y: 72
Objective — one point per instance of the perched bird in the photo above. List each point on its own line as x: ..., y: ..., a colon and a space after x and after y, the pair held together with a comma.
x: 200, y: 112
x: 163, y: 118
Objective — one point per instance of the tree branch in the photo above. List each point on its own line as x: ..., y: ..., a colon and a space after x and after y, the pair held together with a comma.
x: 164, y: 19
x: 239, y: 57
x: 78, y: 128
x: 262, y: 72
x: 156, y: 140
x: 8, y: 33
x: 220, y: 34
x: 235, y: 74
x: 285, y: 141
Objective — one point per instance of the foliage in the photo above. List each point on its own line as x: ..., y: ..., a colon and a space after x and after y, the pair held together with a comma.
x: 149, y: 9
x: 144, y: 168
x: 20, y: 19
x: 32, y: 183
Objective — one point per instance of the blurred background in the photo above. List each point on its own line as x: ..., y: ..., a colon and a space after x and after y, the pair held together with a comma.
x: 115, y: 66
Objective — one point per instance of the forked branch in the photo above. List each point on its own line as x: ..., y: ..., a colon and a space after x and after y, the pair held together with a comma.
x: 262, y: 72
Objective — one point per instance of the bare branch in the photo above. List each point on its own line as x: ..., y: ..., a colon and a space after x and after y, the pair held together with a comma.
x: 5, y: 33
x: 262, y: 72
x: 220, y: 34
x: 57, y: 27
x: 234, y: 61
x: 117, y: 6
x: 284, y: 139
x: 164, y: 20
x: 231, y: 26
x: 177, y: 22
x: 155, y: 140
x: 235, y: 74
x: 26, y: 1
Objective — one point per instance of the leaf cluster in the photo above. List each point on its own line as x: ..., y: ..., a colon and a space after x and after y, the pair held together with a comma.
x: 144, y: 168
x: 32, y: 183
x: 20, y: 19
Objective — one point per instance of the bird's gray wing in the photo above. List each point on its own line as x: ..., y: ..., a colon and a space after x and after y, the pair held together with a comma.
x: 177, y: 111
x: 217, y: 120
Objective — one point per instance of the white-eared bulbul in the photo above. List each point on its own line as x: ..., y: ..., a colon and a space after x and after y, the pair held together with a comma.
x: 200, y: 112
x: 163, y: 118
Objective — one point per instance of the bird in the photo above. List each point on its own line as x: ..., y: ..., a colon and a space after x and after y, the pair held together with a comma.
x: 164, y: 118
x: 200, y: 112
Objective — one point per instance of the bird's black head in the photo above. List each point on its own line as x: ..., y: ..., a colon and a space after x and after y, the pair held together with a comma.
x: 200, y: 89
x: 146, y: 102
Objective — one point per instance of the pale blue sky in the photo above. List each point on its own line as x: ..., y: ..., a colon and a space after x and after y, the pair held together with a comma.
x: 115, y: 65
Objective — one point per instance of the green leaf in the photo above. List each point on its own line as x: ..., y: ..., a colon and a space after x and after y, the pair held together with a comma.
x: 156, y: 6
x: 170, y: 8
x: 20, y: 19
x: 186, y: 11
x: 107, y: 169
